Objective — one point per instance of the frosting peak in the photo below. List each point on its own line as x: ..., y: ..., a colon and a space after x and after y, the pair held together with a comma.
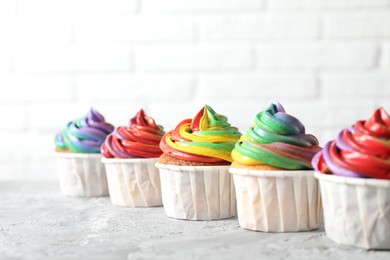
x: 140, y: 139
x: 277, y: 139
x: 207, y: 118
x: 362, y: 150
x: 141, y: 119
x: 208, y: 137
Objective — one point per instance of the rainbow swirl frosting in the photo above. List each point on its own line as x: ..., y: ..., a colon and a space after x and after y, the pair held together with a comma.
x: 84, y: 135
x: 277, y: 139
x: 208, y: 138
x: 138, y: 140
x: 362, y: 150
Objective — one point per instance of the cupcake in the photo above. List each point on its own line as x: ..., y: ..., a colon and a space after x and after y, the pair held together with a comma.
x: 354, y: 175
x: 78, y: 156
x: 194, y: 166
x: 129, y: 155
x: 275, y: 185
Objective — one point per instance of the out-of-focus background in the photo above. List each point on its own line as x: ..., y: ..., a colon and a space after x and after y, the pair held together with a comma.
x: 326, y: 61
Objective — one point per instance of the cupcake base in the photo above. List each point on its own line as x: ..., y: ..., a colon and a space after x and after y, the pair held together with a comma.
x: 277, y: 201
x: 197, y: 192
x: 81, y: 175
x: 356, y: 210
x: 133, y: 182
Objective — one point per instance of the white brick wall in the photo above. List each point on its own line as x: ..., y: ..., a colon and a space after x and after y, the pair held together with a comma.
x: 325, y: 4
x: 357, y: 24
x: 323, y: 55
x: 327, y: 62
x: 73, y: 58
x: 193, y: 58
x: 255, y: 86
x: 201, y: 6
x: 5, y: 62
x: 69, y: 8
x: 8, y: 7
x: 41, y: 89
x: 125, y: 87
x: 251, y: 27
x: 129, y: 29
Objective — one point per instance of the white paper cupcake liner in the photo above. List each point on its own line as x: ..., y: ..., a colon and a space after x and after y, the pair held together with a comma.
x: 133, y: 182
x: 81, y: 175
x: 356, y: 210
x: 277, y: 201
x: 197, y: 192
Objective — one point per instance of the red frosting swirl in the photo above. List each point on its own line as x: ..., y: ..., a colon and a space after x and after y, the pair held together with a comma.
x: 138, y: 140
x: 362, y: 150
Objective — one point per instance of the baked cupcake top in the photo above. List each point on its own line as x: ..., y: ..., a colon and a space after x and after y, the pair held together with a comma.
x: 84, y: 135
x: 276, y: 139
x: 362, y: 150
x: 207, y: 138
x: 140, y: 139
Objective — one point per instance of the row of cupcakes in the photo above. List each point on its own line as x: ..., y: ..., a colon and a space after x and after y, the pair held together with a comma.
x: 271, y: 164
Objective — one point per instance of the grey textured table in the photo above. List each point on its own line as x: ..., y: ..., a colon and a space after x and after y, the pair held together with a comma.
x: 37, y: 222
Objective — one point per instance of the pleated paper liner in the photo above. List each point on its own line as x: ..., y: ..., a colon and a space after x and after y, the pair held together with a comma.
x: 277, y: 201
x: 81, y: 175
x: 133, y: 182
x: 197, y: 192
x: 356, y: 210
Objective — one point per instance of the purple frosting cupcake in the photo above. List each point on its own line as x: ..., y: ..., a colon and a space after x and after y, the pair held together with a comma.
x: 84, y: 135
